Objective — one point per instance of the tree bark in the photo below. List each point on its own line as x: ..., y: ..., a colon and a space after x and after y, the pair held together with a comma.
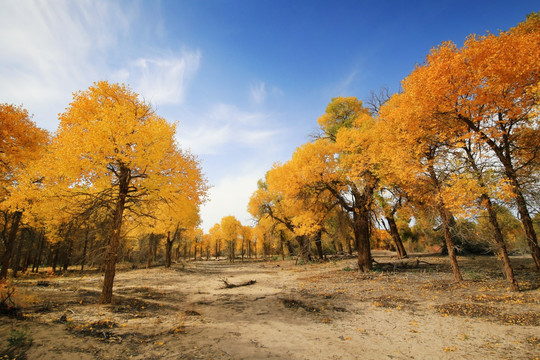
x: 526, y: 221
x: 304, y: 253
x: 290, y: 248
x: 497, y: 233
x: 124, y: 179
x: 402, y: 253
x: 16, y: 260
x: 446, y: 218
x: 318, y: 244
x: 503, y: 153
x: 449, y: 241
x: 168, y: 249
x: 67, y: 254
x: 83, y: 259
x: 9, y: 242
x: 499, y: 240
x: 361, y: 234
x: 37, y: 259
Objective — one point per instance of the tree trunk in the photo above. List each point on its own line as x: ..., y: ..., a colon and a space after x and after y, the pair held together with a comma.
x: 168, y: 249
x: 402, y: 253
x: 497, y: 233
x: 67, y: 255
x: 449, y: 241
x: 446, y: 218
x: 243, y: 245
x: 37, y: 259
x: 149, y: 251
x: 318, y: 244
x: 83, y: 258
x: 348, y: 239
x: 304, y: 253
x: 112, y: 248
x: 290, y: 248
x: 526, y: 221
x: 17, y: 258
x: 499, y: 240
x: 55, y: 258
x: 9, y: 242
x: 361, y: 234
x: 281, y: 243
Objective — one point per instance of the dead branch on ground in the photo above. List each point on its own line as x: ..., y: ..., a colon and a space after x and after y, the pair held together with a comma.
x: 229, y: 285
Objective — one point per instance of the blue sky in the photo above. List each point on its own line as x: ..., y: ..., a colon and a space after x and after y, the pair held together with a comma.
x: 245, y: 80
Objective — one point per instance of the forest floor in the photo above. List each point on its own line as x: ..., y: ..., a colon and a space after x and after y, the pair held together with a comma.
x: 402, y: 310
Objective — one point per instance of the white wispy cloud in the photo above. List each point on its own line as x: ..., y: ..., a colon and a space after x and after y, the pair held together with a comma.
x: 164, y: 79
x: 52, y: 48
x: 258, y: 92
x: 224, y: 125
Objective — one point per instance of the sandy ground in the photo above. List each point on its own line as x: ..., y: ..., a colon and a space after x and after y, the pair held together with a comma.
x: 319, y: 311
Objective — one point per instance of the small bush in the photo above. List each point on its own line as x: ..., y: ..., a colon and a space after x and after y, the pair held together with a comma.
x: 18, y: 337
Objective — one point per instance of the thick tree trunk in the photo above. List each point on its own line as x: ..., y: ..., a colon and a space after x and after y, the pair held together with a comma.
x: 15, y: 263
x: 318, y: 244
x: 290, y: 248
x: 55, y: 258
x: 304, y: 253
x: 112, y: 248
x: 402, y: 253
x: 361, y: 234
x: 67, y: 254
x: 9, y: 242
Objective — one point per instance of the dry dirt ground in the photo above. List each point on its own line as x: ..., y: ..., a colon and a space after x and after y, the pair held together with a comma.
x: 410, y: 310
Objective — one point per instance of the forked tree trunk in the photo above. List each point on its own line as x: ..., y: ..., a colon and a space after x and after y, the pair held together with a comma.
x: 9, y: 242
x: 402, y: 253
x: 446, y: 218
x: 114, y: 241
